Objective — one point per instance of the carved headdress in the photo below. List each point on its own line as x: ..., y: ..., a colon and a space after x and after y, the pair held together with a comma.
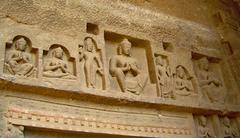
x: 93, y: 41
x: 55, y: 50
x: 203, y: 61
x: 123, y: 43
x: 20, y: 40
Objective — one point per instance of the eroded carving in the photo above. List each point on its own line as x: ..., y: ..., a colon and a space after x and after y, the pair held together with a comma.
x: 228, y: 130
x: 165, y: 77
x: 14, y: 131
x: 183, y: 82
x: 203, y: 129
x: 56, y: 66
x: 19, y: 60
x: 212, y: 87
x: 126, y: 70
x: 93, y: 64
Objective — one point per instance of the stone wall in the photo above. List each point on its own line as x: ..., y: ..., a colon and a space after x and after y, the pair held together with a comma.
x: 119, y: 68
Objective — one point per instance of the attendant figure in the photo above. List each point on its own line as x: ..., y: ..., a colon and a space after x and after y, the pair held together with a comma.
x: 183, y: 83
x: 165, y: 77
x: 93, y: 63
x: 211, y: 85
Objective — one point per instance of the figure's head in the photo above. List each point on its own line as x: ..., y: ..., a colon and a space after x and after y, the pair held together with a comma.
x: 203, y: 121
x: 58, y: 53
x: 21, y: 44
x: 180, y: 72
x: 89, y: 43
x: 125, y: 47
x: 226, y: 121
x: 204, y: 63
x: 159, y: 60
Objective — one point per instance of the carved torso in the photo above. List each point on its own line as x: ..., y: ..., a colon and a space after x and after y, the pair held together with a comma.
x: 58, y: 62
x: 124, y: 61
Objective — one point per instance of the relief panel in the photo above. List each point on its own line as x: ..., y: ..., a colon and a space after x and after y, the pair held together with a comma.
x: 183, y: 82
x: 164, y: 76
x: 229, y: 127
x: 91, y: 64
x: 210, y: 80
x: 20, y: 58
x: 129, y: 65
x: 57, y: 63
x: 204, y: 127
x: 176, y: 80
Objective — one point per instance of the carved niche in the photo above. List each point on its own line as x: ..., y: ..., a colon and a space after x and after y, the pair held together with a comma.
x: 129, y: 60
x: 183, y: 82
x: 209, y: 79
x: 90, y: 54
x: 125, y: 68
x: 20, y: 57
x: 164, y: 76
x: 57, y: 63
x: 204, y: 127
x: 172, y: 82
x: 229, y: 128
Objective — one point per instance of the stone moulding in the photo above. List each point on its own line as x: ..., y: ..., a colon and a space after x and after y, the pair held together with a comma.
x: 70, y: 123
x: 30, y: 84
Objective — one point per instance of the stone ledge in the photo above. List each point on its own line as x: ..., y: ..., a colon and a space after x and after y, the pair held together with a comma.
x: 29, y: 84
x: 31, y: 119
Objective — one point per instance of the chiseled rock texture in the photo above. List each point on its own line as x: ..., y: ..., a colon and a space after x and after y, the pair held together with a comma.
x: 119, y: 68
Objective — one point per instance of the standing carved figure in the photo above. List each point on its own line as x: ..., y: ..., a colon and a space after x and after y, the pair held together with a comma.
x: 18, y: 61
x: 93, y: 63
x: 183, y: 83
x: 211, y: 85
x: 228, y: 130
x: 56, y: 66
x: 165, y: 77
x: 126, y: 70
x: 203, y: 130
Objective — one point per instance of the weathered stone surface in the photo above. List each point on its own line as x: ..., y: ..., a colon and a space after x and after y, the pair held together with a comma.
x: 119, y: 68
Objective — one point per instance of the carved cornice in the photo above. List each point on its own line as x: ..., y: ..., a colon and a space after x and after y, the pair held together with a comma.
x: 70, y: 123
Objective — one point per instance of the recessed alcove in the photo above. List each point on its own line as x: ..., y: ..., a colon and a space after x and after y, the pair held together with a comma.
x: 92, y: 28
x: 141, y: 51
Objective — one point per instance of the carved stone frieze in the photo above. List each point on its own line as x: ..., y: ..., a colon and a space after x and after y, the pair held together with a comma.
x: 120, y: 68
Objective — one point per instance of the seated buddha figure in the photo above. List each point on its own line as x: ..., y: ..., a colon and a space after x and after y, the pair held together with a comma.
x: 18, y: 61
x: 203, y: 129
x: 56, y: 66
x: 183, y: 83
x: 212, y: 87
x: 126, y: 70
